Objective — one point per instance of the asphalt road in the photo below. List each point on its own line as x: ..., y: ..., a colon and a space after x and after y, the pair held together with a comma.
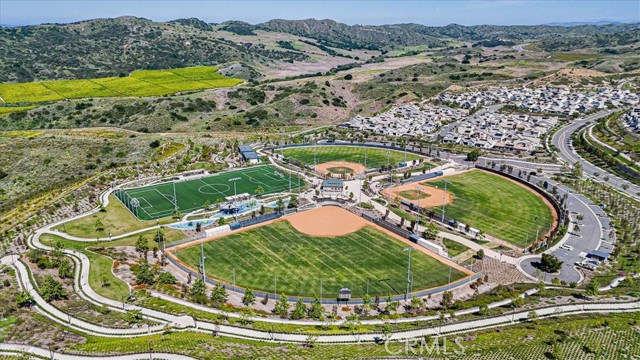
x: 562, y: 141
x: 593, y: 234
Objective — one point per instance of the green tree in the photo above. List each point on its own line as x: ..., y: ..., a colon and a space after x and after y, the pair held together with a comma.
x: 23, y: 299
x: 219, y: 295
x: 142, y: 246
x: 473, y: 155
x: 65, y: 270
x: 248, y: 298
x: 99, y: 225
x: 144, y: 274
x: 299, y: 311
x: 259, y: 190
x: 416, y: 305
x: 447, y: 299
x: 52, y: 289
x: 159, y: 236
x: 133, y: 316
x: 166, y: 278
x: 198, y: 290
x: 550, y: 263
x: 430, y: 231
x: 480, y: 254
x: 593, y: 288
x: 577, y: 170
x: 316, y: 311
x: 282, y: 307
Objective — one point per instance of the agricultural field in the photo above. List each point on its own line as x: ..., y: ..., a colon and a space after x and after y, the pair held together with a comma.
x: 496, y: 206
x: 157, y: 201
x: 321, y: 154
x: 139, y: 84
x: 365, y: 258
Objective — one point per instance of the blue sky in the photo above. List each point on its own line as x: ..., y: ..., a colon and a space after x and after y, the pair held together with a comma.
x: 498, y: 12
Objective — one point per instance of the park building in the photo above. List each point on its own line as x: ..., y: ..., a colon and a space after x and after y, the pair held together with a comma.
x: 332, y: 185
x: 248, y: 155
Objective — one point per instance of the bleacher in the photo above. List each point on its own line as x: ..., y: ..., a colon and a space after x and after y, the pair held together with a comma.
x: 422, y: 177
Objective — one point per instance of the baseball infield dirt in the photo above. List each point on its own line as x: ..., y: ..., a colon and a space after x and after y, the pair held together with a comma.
x: 433, y: 198
x: 324, y: 167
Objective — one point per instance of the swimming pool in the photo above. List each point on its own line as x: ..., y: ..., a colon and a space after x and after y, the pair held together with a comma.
x: 190, y: 225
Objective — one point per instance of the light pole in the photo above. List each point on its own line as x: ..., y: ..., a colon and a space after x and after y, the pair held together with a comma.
x: 239, y: 178
x: 202, y: 261
x: 419, y: 204
x: 408, y: 272
x: 444, y: 198
x: 137, y: 166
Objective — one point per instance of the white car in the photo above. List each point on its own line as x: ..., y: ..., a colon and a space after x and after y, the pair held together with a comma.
x: 566, y: 247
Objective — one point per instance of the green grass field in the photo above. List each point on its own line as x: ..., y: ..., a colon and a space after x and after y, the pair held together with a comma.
x: 157, y: 201
x: 496, y: 206
x: 300, y: 261
x: 116, y: 219
x: 414, y: 194
x: 321, y: 154
x: 139, y: 83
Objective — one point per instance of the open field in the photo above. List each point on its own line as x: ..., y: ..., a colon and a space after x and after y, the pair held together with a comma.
x: 321, y: 154
x: 116, y: 219
x: 301, y: 261
x: 157, y: 201
x: 496, y: 206
x: 139, y: 83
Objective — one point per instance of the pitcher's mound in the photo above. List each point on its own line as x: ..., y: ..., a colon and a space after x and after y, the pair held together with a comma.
x: 326, y: 221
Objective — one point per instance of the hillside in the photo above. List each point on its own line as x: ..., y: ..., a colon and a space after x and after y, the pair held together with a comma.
x: 116, y: 47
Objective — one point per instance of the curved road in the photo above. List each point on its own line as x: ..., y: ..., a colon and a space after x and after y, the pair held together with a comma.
x: 562, y: 141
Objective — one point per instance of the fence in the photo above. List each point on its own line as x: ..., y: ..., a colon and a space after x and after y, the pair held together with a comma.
x: 422, y: 177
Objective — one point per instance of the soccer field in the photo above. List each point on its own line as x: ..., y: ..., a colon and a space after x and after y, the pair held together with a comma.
x: 158, y: 201
x: 375, y: 157
x: 301, y: 261
x: 496, y: 206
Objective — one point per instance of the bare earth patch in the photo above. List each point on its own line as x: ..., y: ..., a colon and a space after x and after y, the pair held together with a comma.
x: 326, y: 221
x: 326, y: 167
x: 433, y: 195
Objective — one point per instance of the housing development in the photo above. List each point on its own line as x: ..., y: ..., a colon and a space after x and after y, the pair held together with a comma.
x: 198, y: 188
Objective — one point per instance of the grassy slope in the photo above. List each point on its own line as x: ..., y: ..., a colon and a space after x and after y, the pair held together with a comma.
x: 454, y: 248
x: 300, y: 261
x: 375, y: 157
x: 496, y: 206
x: 101, y: 264
x: 617, y: 339
x: 117, y: 219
